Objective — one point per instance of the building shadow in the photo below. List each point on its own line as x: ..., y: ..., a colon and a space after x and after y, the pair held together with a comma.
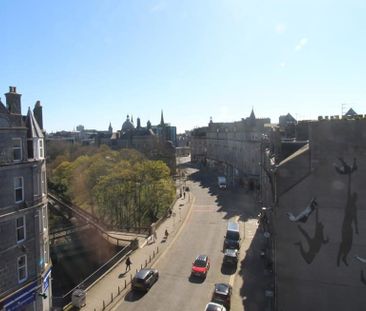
x: 257, y: 276
x: 226, y: 199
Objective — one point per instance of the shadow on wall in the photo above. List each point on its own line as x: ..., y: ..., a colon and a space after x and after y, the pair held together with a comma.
x: 315, y: 243
x: 350, y: 213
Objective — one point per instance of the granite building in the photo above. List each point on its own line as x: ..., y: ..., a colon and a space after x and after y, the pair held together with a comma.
x: 233, y: 147
x: 315, y: 203
x: 25, y: 267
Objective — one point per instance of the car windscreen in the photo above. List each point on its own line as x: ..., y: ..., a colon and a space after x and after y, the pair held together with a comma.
x: 232, y: 235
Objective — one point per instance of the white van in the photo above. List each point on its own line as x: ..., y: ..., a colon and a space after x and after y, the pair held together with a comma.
x: 221, y: 181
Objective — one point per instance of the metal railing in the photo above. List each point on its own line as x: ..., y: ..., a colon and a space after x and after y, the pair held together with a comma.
x: 90, y: 220
x: 94, y: 277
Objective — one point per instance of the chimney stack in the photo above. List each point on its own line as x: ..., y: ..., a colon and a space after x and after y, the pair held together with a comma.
x: 13, y: 101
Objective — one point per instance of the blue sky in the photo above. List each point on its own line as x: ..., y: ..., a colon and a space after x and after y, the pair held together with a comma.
x: 93, y: 62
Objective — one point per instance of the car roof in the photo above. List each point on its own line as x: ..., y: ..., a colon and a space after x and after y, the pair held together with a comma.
x: 214, y: 307
x: 142, y: 273
x: 222, y: 288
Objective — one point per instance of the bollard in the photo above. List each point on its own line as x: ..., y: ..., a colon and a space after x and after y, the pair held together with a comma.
x: 125, y: 283
x: 103, y: 305
x: 149, y: 258
x: 141, y: 266
x: 111, y: 297
x: 145, y: 262
x: 119, y: 290
x: 157, y: 249
x: 153, y: 253
x: 130, y: 278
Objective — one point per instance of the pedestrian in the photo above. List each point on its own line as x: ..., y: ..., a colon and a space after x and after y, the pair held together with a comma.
x: 184, y: 195
x: 155, y: 236
x: 128, y: 263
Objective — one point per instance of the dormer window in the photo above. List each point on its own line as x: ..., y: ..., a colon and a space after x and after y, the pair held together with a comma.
x: 17, y: 149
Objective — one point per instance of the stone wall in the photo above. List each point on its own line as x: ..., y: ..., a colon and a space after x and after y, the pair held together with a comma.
x: 315, y: 257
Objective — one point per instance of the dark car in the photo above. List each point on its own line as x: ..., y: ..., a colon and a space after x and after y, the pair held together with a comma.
x: 200, y: 266
x: 222, y: 294
x: 145, y: 279
x: 231, y: 256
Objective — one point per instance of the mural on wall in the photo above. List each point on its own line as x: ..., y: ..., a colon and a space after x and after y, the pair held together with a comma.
x: 304, y: 215
x: 315, y: 243
x: 350, y: 212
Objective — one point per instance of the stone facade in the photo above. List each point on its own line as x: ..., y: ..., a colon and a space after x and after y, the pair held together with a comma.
x: 234, y: 147
x: 316, y: 203
x: 25, y: 282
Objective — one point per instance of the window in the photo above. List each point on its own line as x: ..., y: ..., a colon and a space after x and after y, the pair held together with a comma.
x: 20, y: 227
x: 41, y: 149
x: 44, y: 218
x: 18, y: 188
x: 22, y: 268
x: 46, y: 253
x: 17, y: 149
x: 43, y: 183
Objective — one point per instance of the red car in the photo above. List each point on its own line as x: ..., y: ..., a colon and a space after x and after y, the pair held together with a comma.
x: 200, y: 266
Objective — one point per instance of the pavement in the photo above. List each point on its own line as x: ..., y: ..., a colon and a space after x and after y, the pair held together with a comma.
x: 115, y: 284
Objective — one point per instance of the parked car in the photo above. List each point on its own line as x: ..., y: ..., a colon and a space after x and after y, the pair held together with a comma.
x: 222, y: 294
x: 145, y: 279
x: 231, y: 256
x: 214, y: 307
x: 200, y: 266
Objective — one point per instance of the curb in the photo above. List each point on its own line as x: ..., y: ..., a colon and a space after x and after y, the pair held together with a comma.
x: 124, y: 292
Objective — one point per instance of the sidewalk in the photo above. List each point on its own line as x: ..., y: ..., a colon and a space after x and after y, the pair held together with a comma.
x: 104, y: 294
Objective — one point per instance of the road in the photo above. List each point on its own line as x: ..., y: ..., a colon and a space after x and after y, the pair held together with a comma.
x: 202, y: 233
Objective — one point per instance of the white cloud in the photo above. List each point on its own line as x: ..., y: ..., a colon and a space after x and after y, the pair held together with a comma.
x: 301, y: 44
x: 283, y: 64
x: 280, y: 28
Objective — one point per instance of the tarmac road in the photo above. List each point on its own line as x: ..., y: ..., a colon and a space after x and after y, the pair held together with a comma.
x: 202, y: 233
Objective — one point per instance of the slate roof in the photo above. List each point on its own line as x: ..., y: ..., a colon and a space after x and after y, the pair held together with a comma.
x: 34, y: 131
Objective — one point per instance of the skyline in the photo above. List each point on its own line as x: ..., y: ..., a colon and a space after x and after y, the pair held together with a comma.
x: 219, y: 59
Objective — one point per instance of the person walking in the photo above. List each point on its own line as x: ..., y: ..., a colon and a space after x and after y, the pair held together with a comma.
x: 128, y: 263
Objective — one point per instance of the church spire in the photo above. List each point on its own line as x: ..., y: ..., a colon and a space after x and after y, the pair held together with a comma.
x: 252, y: 115
x: 162, y: 118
